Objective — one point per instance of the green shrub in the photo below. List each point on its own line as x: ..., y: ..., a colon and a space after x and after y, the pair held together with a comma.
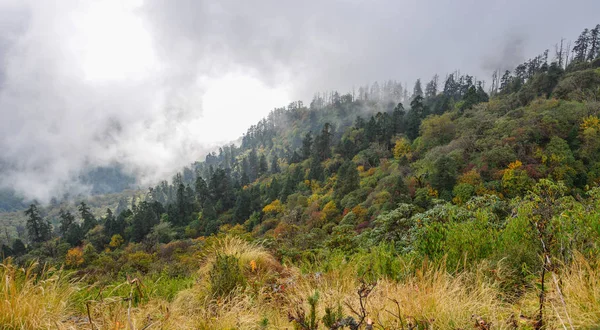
x: 225, y: 275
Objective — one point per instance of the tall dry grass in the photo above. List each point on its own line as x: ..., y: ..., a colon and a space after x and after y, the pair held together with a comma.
x: 34, y: 297
x: 580, y: 284
x: 428, y: 295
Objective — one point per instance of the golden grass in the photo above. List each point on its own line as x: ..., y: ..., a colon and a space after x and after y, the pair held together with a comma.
x: 429, y: 296
x: 580, y: 287
x: 33, y: 298
x: 246, y: 252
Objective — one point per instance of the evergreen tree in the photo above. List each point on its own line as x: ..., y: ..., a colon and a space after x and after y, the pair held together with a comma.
x: 482, y: 96
x: 371, y: 130
x: 253, y: 165
x: 316, y: 169
x: 323, y: 143
x: 18, y: 248
x: 145, y: 216
x: 180, y: 214
x: 288, y: 188
x: 470, y: 99
x: 347, y: 181
x: 505, y: 82
x: 274, y: 165
x: 69, y: 229
x: 201, y: 190
x: 307, y: 142
x: 414, y: 117
x: 432, y: 86
x: 89, y: 221
x: 594, y: 43
x: 347, y: 148
x: 38, y: 229
x: 245, y: 176
x: 443, y: 177
x: 274, y: 189
x: 417, y: 90
x: 400, y: 191
x: 209, y: 222
x: 295, y: 158
x: 66, y: 221
x: 221, y: 190
x: 580, y: 49
x: 5, y: 252
x: 398, y: 118
x: 110, y: 223
x: 243, y: 206
x: 263, y: 167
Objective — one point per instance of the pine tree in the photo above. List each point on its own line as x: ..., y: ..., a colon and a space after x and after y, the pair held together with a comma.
x: 253, y: 165
x: 417, y: 90
x: 145, y: 216
x: 580, y: 49
x: 110, y: 223
x: 594, y: 43
x: 180, y: 214
x: 263, y: 167
x: 38, y: 230
x: 505, y: 82
x: 66, y: 221
x: 274, y: 189
x: 431, y: 87
x: 323, y: 143
x: 347, y: 180
x: 274, y: 165
x: 243, y: 206
x: 414, y: 117
x: 201, y: 190
x: 307, y: 142
x: 443, y: 177
x: 316, y: 169
x: 89, y: 221
x: 18, y: 247
x: 398, y: 118
x: 69, y: 229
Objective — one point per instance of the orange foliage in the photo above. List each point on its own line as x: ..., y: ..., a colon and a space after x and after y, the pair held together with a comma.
x: 74, y: 257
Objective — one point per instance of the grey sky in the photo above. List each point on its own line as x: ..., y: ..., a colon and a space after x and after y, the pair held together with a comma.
x: 147, y: 111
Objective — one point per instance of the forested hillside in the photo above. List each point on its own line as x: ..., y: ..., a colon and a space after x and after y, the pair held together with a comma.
x: 446, y: 205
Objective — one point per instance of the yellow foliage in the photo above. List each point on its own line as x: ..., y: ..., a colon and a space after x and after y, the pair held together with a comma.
x: 471, y: 177
x: 313, y: 198
x: 592, y: 122
x: 360, y: 212
x: 314, y: 185
x: 514, y: 179
x: 330, y: 211
x: 361, y: 168
x: 74, y: 257
x: 402, y: 149
x: 433, y: 192
x: 515, y: 165
x: 274, y: 208
x: 116, y: 241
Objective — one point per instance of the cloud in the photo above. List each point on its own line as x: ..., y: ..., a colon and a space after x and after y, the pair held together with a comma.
x: 153, y: 84
x: 509, y: 54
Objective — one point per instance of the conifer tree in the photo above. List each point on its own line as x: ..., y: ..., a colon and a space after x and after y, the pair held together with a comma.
x: 38, y: 229
x: 88, y: 219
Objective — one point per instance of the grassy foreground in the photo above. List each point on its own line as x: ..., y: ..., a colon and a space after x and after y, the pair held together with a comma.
x: 240, y: 285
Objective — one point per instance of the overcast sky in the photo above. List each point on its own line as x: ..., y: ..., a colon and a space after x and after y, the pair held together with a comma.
x: 154, y: 84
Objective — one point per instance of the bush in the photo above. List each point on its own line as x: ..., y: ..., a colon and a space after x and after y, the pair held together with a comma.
x: 225, y: 275
x: 74, y: 257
